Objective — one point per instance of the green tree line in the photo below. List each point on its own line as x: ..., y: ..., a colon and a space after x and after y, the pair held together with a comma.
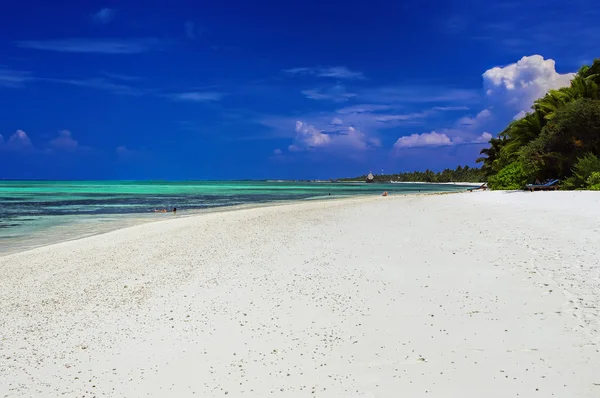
x: 460, y: 174
x: 558, y: 139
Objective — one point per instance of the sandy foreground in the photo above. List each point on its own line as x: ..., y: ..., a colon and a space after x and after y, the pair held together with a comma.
x: 486, y: 294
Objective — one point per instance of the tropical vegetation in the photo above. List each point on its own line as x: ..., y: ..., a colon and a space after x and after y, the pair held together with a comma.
x: 558, y: 139
x: 460, y: 174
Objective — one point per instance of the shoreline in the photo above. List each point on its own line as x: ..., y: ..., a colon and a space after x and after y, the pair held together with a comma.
x: 134, y: 219
x: 435, y: 295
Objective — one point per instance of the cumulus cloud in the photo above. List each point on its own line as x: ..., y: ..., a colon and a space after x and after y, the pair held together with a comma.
x: 64, y: 141
x: 422, y: 140
x: 337, y: 121
x: 125, y: 153
x: 277, y: 151
x: 338, y: 72
x: 19, y: 141
x: 435, y: 139
x: 475, y: 121
x: 308, y: 137
x: 104, y: 16
x: 518, y: 85
x: 483, y: 138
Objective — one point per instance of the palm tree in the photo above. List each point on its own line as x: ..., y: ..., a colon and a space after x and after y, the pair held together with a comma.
x: 552, y: 101
x: 491, y: 154
x: 584, y: 87
x: 521, y: 132
x: 581, y: 87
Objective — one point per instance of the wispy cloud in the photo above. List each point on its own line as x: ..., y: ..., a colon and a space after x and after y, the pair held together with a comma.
x: 118, y: 76
x: 337, y: 72
x: 336, y: 93
x: 364, y: 108
x: 419, y: 94
x: 401, y: 117
x: 13, y: 78
x: 104, y: 16
x: 99, y: 84
x: 197, y: 96
x: 450, y: 108
x: 98, y: 46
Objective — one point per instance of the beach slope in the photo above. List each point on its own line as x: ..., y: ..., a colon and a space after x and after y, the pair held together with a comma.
x: 487, y: 294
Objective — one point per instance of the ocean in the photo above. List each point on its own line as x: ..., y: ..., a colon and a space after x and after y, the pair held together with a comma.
x: 37, y: 213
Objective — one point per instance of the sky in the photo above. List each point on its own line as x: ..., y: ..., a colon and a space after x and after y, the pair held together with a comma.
x: 293, y: 90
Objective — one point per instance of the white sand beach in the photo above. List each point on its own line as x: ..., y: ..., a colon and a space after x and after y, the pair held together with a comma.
x: 485, y: 294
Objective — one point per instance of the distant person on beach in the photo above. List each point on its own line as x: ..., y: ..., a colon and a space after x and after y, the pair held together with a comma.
x: 385, y: 193
x: 174, y: 210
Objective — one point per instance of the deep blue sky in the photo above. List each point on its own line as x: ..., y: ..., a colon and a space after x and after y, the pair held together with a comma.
x: 238, y: 89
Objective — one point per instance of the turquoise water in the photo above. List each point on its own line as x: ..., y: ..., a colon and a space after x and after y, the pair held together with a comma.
x: 34, y: 213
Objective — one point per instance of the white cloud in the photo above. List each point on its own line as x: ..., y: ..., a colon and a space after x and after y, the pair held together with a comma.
x: 277, y: 151
x: 520, y: 115
x: 64, y: 141
x: 125, y: 153
x: 13, y: 78
x: 104, y: 16
x: 450, y: 108
x: 19, y: 141
x: 419, y: 94
x: 337, y: 121
x: 308, y: 137
x: 483, y: 138
x: 198, y: 96
x: 365, y: 108
x: 336, y: 93
x: 422, y: 140
x: 518, y: 85
x: 337, y: 72
x: 99, y: 46
x: 475, y: 121
x: 400, y: 117
x: 99, y: 84
x: 435, y: 139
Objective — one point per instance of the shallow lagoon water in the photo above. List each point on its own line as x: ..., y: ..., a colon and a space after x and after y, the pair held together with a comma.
x: 37, y: 213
